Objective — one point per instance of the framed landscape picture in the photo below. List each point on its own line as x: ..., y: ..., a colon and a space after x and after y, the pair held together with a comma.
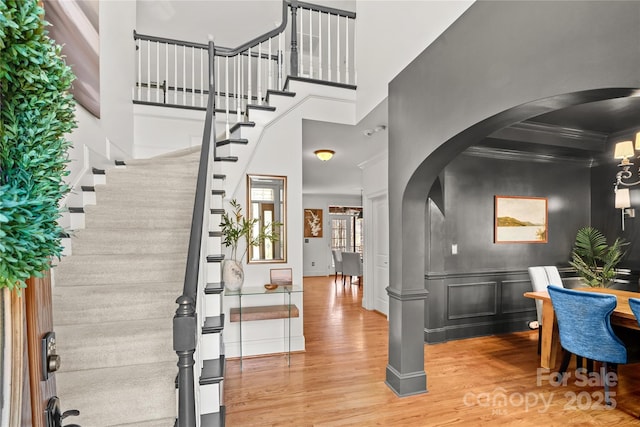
x: 521, y: 219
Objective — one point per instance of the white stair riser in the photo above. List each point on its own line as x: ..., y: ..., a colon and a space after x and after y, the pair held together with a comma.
x: 77, y: 221
x: 214, y: 245
x: 217, y: 184
x: 210, y: 398
x: 213, y: 272
x: 99, y: 179
x: 212, y: 304
x: 66, y: 246
x: 210, y: 346
x: 262, y: 117
x: 88, y: 198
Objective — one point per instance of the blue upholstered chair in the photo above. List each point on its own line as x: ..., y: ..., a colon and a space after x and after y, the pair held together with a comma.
x: 584, y: 323
x: 634, y: 303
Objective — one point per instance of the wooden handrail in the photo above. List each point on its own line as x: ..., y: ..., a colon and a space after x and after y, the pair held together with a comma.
x: 138, y: 36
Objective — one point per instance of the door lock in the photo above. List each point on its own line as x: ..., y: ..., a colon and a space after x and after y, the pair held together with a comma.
x: 50, y: 360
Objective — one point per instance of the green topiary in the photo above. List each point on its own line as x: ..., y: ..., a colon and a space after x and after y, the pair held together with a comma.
x: 36, y: 112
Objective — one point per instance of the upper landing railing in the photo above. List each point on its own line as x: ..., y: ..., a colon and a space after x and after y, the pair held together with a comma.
x: 314, y: 42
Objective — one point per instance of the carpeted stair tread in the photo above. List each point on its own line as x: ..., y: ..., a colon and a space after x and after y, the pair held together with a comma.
x: 138, y: 217
x: 141, y: 198
x: 104, y: 345
x: 112, y: 396
x: 142, y: 190
x: 155, y: 300
x: 184, y: 161
x: 97, y: 269
x: 164, y: 176
x: 115, y: 240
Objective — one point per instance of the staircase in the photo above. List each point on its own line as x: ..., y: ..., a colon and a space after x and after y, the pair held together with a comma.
x: 114, y: 297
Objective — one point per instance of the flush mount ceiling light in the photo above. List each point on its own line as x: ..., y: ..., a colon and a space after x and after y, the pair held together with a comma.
x: 324, y: 154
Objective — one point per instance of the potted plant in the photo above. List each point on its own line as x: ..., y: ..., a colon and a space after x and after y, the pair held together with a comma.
x: 236, y: 227
x: 594, y: 260
x: 36, y: 112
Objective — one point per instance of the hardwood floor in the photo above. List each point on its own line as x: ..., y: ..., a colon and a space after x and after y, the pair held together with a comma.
x: 339, y: 380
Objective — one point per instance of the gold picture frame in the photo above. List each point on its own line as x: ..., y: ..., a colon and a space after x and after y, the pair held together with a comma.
x: 520, y: 219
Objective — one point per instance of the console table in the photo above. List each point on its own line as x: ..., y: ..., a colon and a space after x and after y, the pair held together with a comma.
x: 265, y: 312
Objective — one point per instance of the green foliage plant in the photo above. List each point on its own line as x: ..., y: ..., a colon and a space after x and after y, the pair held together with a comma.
x: 236, y: 227
x: 36, y: 112
x: 593, y: 259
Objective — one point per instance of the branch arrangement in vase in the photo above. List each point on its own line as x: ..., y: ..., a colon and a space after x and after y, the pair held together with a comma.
x: 236, y: 227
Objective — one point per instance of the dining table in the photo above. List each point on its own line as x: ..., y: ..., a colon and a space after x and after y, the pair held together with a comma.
x: 549, y: 337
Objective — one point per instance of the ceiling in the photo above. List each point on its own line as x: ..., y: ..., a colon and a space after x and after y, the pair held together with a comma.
x: 342, y: 174
x: 581, y: 132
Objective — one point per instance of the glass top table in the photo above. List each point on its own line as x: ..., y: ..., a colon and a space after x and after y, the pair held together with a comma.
x: 261, y: 290
x: 269, y: 312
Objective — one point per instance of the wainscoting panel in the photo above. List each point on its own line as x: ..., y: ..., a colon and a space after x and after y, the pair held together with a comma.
x: 472, y: 299
x: 511, y: 298
x: 465, y: 305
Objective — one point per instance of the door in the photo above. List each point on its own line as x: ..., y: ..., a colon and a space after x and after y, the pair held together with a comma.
x: 39, y: 315
x: 380, y: 258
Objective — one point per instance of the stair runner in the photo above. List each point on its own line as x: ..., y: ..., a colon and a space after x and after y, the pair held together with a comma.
x: 114, y: 297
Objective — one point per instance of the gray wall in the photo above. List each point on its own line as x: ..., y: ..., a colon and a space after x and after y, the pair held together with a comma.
x: 608, y: 219
x: 470, y: 185
x: 479, y: 290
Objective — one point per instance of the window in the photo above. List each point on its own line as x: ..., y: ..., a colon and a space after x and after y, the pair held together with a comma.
x: 339, y: 234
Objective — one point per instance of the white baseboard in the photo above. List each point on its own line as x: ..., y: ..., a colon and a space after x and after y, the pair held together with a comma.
x: 263, y: 347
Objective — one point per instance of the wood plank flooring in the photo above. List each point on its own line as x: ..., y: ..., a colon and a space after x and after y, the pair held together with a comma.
x: 339, y: 380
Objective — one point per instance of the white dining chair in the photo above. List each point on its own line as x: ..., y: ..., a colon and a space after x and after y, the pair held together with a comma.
x: 351, y: 266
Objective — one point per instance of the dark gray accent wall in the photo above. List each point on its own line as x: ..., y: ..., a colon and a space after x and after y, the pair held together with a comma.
x: 604, y: 215
x: 479, y: 290
x: 471, y: 184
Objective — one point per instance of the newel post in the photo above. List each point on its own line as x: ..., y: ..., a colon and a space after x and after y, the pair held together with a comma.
x: 184, y: 344
x: 294, y: 38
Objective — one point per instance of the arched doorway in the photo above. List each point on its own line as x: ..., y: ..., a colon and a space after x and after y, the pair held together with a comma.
x: 499, y: 64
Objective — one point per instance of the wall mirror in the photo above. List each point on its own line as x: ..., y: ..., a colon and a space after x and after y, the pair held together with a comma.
x: 267, y: 202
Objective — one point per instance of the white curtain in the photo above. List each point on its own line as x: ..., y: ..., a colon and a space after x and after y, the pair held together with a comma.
x: 74, y: 25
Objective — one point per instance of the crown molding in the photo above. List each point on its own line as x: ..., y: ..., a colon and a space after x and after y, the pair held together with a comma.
x: 514, y: 155
x: 553, y: 135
